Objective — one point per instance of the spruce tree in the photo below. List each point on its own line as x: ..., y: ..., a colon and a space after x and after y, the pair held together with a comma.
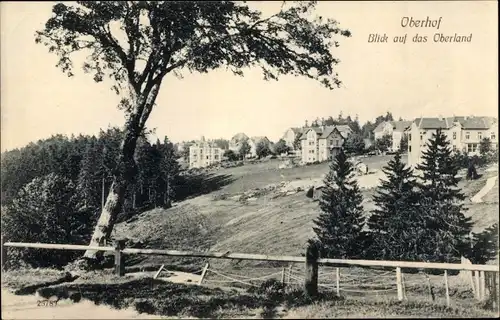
x: 339, y: 227
x: 394, y: 222
x: 484, y: 246
x: 89, y: 178
x: 441, y: 203
x: 169, y: 170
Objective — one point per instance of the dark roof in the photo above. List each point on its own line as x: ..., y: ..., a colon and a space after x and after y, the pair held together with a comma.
x: 256, y: 140
x: 325, y: 131
x: 400, y: 125
x: 471, y: 122
x: 239, y: 137
x: 396, y: 125
x: 379, y: 126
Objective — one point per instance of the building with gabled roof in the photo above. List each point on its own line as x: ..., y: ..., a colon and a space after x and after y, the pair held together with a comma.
x: 254, y: 141
x: 320, y: 144
x: 464, y: 133
x: 204, y: 153
x: 290, y: 135
x: 395, y: 129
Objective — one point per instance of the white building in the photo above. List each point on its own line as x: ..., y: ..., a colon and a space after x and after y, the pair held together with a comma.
x: 395, y: 129
x: 322, y: 143
x: 254, y: 141
x: 464, y: 134
x: 290, y: 135
x: 203, y: 154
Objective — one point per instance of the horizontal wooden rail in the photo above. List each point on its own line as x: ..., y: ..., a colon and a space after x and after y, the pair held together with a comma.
x: 408, y: 265
x: 56, y: 246
x: 262, y: 257
x: 216, y: 255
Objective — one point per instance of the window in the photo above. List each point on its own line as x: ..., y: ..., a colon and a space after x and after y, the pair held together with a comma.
x: 479, y: 135
x: 454, y: 136
x: 337, y: 143
x: 409, y: 137
x: 409, y: 148
x: 493, y: 137
x: 454, y: 148
x: 207, y: 157
x: 216, y: 157
x: 471, y: 147
x: 467, y: 135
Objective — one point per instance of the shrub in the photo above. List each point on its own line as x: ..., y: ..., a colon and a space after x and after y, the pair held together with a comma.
x: 46, y: 210
x: 310, y: 192
x: 271, y: 287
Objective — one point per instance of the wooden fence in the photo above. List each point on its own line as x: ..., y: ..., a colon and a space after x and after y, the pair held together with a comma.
x: 311, y: 260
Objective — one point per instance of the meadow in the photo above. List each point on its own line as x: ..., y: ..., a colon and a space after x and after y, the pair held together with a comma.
x: 249, y: 213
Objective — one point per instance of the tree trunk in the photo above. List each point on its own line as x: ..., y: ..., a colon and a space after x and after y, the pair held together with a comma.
x: 134, y: 199
x: 126, y: 168
x: 124, y: 175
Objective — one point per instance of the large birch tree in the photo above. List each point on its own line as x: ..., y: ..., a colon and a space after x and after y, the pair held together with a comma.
x: 136, y: 44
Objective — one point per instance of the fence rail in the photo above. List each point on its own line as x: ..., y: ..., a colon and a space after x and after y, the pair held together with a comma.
x: 310, y: 260
x: 263, y: 257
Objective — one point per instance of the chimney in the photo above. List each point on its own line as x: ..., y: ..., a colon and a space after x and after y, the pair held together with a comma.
x: 323, y: 121
x: 306, y: 124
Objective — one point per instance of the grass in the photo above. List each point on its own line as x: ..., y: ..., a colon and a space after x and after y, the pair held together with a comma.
x: 270, y: 300
x: 214, y: 220
x: 22, y: 277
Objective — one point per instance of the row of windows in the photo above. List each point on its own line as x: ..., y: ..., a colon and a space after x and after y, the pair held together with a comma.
x: 471, y: 147
x: 194, y: 157
x: 467, y: 135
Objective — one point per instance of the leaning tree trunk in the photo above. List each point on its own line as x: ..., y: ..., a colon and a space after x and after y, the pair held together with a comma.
x: 124, y: 175
x: 126, y: 170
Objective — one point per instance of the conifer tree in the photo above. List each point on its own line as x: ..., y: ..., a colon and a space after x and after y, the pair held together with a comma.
x: 169, y: 171
x: 394, y: 221
x: 484, y: 246
x: 441, y: 203
x: 339, y: 227
x: 89, y: 178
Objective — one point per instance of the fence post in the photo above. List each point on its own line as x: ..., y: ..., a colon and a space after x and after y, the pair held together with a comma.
x: 203, y: 273
x: 482, y: 285
x: 399, y: 284
x: 119, y: 258
x: 4, y: 252
x: 338, y: 281
x: 447, y: 290
x: 403, y: 285
x: 289, y: 273
x: 311, y: 276
x: 478, y: 285
x: 283, y: 272
x: 493, y: 292
x: 473, y: 286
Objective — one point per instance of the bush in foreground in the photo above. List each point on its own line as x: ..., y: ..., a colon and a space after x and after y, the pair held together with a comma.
x: 46, y: 210
x: 168, y: 299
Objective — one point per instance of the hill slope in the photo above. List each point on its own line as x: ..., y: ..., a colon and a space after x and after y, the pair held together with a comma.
x: 267, y: 221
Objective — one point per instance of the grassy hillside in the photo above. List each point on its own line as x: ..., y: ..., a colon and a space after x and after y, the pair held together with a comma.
x: 268, y: 222
x: 247, y: 210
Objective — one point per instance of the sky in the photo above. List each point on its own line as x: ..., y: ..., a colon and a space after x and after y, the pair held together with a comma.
x: 410, y: 80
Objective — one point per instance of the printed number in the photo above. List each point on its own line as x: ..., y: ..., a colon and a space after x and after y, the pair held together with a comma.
x: 46, y: 303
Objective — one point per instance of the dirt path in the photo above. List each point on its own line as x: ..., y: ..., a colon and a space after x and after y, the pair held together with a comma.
x: 490, y: 183
x: 25, y: 307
